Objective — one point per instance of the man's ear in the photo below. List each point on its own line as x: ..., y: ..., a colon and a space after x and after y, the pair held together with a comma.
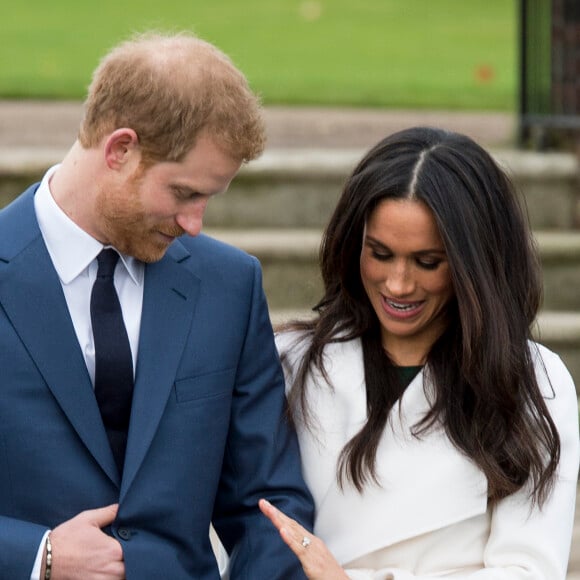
x: 121, y: 148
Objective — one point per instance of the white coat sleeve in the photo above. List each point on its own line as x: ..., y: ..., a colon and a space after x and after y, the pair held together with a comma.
x: 525, y: 542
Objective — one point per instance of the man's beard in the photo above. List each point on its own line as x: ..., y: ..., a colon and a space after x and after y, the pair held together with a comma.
x: 127, y: 227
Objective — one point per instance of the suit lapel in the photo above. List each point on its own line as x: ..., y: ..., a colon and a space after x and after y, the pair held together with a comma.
x: 32, y: 297
x: 169, y: 300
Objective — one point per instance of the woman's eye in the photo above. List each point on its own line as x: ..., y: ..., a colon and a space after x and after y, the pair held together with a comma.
x: 382, y: 256
x: 428, y: 264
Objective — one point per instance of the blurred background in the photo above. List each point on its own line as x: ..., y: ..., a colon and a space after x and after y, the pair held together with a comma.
x: 379, y: 53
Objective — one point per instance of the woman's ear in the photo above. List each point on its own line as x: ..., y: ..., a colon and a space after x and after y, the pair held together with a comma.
x: 120, y: 149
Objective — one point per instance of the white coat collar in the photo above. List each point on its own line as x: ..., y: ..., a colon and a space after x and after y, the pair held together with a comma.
x: 427, y: 483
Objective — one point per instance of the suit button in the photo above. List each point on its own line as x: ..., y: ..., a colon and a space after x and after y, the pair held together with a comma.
x: 124, y: 533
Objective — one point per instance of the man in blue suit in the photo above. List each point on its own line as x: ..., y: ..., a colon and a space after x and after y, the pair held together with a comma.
x: 168, y: 122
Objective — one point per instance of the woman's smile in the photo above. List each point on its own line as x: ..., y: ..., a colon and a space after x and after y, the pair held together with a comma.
x: 401, y: 309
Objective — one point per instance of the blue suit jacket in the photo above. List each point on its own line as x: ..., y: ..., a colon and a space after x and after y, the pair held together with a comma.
x: 206, y: 439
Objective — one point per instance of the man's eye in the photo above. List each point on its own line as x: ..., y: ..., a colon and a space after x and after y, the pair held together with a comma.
x: 185, y: 194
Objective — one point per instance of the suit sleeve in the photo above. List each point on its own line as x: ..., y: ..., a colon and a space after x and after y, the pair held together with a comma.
x: 19, y: 544
x: 525, y: 542
x: 261, y: 458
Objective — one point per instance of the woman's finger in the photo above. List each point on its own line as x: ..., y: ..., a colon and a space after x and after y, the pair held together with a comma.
x: 278, y: 518
x: 294, y: 535
x: 298, y: 541
x: 317, y: 562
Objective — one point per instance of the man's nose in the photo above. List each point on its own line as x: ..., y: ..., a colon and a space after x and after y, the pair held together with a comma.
x: 190, y: 219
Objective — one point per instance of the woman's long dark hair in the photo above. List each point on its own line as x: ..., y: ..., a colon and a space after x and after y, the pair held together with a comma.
x: 485, y: 390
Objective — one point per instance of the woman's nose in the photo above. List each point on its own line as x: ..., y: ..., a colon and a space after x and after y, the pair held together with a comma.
x: 399, y: 281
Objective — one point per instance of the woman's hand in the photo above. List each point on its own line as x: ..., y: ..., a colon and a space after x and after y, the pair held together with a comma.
x: 318, y: 563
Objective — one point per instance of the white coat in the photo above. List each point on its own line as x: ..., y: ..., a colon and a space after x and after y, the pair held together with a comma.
x: 429, y: 518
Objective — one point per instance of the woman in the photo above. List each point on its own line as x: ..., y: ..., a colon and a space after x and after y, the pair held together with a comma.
x: 438, y: 440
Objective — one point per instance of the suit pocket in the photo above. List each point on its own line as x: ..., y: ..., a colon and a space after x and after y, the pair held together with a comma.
x: 206, y: 386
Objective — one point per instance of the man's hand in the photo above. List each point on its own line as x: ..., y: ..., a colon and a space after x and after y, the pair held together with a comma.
x: 82, y: 551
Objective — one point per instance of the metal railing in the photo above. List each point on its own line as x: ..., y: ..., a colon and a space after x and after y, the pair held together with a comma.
x: 549, y: 105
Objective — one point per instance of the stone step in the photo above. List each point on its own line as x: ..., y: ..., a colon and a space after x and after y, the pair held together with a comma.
x: 559, y: 331
x: 288, y: 188
x: 560, y: 255
x: 289, y: 258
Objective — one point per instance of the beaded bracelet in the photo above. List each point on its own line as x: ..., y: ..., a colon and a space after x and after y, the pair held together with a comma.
x: 48, y: 560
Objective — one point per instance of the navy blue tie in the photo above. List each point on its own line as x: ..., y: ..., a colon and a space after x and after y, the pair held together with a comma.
x: 113, y: 361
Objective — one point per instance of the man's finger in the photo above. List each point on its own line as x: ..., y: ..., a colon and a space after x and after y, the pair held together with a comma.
x: 103, y: 516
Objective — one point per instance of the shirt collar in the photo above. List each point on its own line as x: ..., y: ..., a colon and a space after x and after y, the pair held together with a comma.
x: 71, y: 248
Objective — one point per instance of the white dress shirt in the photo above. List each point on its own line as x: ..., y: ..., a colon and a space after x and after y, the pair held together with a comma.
x: 73, y: 253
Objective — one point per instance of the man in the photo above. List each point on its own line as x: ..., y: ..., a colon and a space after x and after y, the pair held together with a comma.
x: 141, y: 398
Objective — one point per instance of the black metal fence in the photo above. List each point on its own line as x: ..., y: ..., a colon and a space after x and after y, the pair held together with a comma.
x: 550, y: 72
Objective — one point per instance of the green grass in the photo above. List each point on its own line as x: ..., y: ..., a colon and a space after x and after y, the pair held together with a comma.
x: 388, y: 53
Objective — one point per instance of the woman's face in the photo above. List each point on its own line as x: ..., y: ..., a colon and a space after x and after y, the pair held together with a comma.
x: 405, y: 273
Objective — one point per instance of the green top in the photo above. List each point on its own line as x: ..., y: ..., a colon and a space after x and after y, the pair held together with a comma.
x: 407, y: 374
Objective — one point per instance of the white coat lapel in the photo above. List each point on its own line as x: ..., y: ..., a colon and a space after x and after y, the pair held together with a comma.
x: 426, y: 484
